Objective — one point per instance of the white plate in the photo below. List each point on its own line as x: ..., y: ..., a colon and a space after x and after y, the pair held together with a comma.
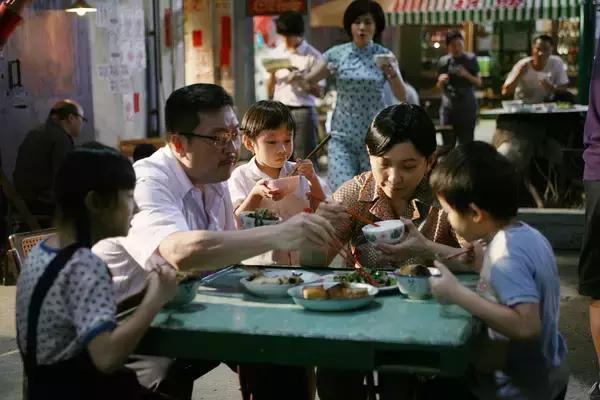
x: 334, y: 304
x: 330, y: 278
x: 271, y: 290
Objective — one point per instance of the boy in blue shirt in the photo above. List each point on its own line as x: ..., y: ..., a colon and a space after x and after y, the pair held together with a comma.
x: 518, y: 295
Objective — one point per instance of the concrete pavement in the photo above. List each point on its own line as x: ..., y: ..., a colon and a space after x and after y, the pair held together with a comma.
x: 221, y: 383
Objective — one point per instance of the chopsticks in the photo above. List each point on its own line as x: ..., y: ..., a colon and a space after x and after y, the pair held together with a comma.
x: 353, y: 260
x: 458, y: 253
x: 361, y: 218
x: 312, y: 153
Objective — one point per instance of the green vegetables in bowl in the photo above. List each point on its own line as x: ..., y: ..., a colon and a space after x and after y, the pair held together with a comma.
x: 383, y: 278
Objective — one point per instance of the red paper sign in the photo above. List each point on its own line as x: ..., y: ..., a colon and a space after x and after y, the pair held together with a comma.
x: 197, y: 38
x: 136, y: 102
x: 274, y: 7
x: 168, y: 30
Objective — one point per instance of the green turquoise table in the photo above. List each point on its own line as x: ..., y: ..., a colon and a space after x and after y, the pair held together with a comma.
x: 225, y: 323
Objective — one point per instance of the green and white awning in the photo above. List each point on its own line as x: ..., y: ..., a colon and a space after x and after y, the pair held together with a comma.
x: 441, y: 12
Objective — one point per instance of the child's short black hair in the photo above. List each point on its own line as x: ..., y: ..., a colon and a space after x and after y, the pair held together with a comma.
x: 362, y: 7
x: 453, y: 35
x: 267, y: 114
x: 290, y: 23
x: 475, y: 173
x: 102, y: 170
x: 401, y: 123
x: 544, y: 38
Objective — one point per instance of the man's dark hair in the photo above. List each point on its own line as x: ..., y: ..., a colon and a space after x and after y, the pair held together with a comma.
x: 267, y: 115
x: 290, y: 23
x: 62, y: 109
x: 453, y: 35
x: 398, y: 124
x: 545, y: 38
x: 475, y: 173
x: 184, y: 105
x: 362, y: 7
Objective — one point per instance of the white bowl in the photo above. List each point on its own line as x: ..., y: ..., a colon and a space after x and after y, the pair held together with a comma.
x: 383, y: 59
x: 287, y: 185
x: 333, y: 304
x: 249, y: 222
x: 414, y: 287
x: 512, y: 105
x: 275, y: 290
x: 390, y: 231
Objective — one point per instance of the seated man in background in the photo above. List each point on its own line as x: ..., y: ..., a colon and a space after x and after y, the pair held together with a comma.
x: 42, y: 152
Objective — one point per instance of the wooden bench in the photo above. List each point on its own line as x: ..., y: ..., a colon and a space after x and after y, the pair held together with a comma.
x: 127, y: 146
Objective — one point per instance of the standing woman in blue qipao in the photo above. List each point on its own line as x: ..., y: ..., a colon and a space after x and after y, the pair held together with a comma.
x: 360, y: 67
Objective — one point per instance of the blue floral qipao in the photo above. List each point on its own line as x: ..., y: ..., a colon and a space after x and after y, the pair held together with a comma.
x: 359, y: 83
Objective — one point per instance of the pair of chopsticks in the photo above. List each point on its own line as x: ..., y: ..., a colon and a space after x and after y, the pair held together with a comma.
x: 353, y: 260
x: 312, y: 153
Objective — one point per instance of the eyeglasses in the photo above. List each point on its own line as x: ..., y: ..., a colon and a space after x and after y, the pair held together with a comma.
x: 222, y: 140
x: 84, y: 119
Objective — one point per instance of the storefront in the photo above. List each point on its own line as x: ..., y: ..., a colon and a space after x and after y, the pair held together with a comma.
x: 500, y: 33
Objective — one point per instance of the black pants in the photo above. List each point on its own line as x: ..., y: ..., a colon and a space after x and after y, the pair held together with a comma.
x: 257, y: 381
x: 589, y: 259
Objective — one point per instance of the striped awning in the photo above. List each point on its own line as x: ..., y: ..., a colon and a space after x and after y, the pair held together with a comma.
x: 440, y: 12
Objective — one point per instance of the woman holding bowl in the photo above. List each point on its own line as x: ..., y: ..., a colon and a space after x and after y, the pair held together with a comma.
x: 401, y: 144
x: 360, y: 68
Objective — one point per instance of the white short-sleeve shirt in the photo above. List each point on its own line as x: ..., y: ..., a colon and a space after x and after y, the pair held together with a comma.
x: 303, y: 58
x: 529, y: 89
x: 241, y: 182
x: 167, y: 203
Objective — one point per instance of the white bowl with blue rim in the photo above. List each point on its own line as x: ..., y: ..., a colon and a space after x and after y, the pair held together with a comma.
x: 389, y: 231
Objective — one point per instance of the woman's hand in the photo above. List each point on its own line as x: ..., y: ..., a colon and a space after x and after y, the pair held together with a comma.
x: 444, y: 287
x: 333, y: 211
x: 390, y: 68
x: 262, y: 189
x: 412, y: 244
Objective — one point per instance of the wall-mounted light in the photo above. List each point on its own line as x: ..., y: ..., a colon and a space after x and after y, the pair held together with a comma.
x: 81, y: 7
x: 436, y: 45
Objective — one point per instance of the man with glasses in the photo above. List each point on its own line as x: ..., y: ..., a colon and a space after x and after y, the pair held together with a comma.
x: 42, y: 152
x: 185, y: 218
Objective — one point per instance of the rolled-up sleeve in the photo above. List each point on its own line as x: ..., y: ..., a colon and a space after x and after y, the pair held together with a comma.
x: 160, y: 215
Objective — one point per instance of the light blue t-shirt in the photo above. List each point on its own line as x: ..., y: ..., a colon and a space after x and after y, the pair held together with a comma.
x: 519, y: 267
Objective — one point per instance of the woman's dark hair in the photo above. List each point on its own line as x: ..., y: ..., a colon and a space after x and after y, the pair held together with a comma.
x: 452, y: 35
x: 104, y: 171
x: 476, y: 173
x: 362, y: 7
x: 267, y: 114
x: 184, y: 105
x: 290, y: 23
x: 398, y: 124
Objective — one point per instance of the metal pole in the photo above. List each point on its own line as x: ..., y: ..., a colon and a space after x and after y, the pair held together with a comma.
x: 587, y: 31
x: 243, y: 57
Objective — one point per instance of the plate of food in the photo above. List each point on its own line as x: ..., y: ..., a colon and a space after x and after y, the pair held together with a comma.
x: 333, y: 296
x: 273, y: 64
x: 276, y: 283
x: 387, y: 281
